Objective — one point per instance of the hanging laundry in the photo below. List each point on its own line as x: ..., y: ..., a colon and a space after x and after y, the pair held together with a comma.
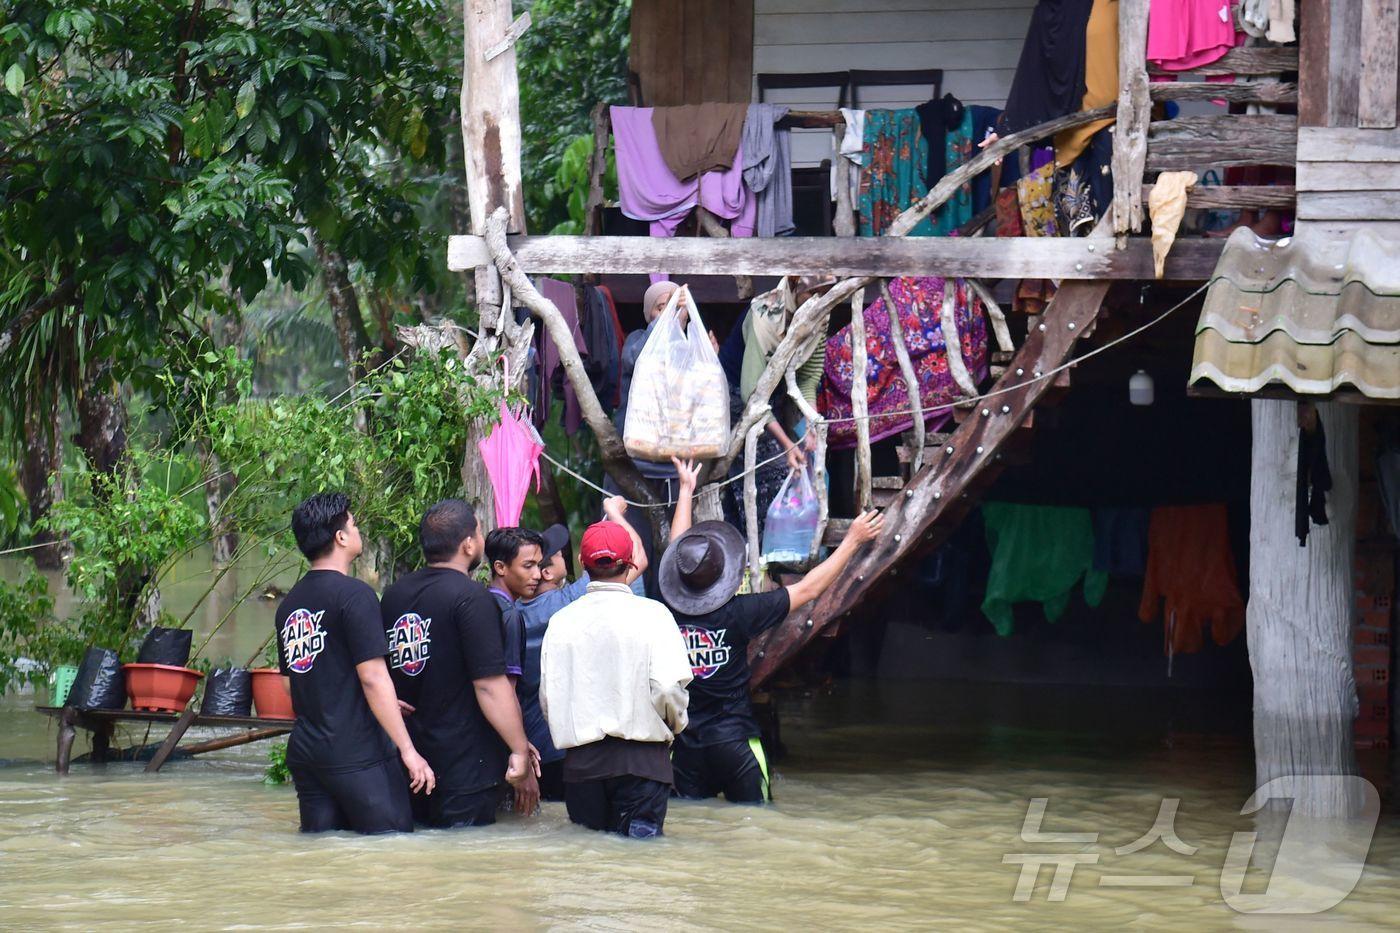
x: 768, y: 168
x: 957, y: 149
x: 1100, y: 80
x: 894, y: 174
x: 600, y: 333
x: 552, y: 373
x: 1049, y: 81
x: 918, y: 301
x: 1314, y: 475
x: 1269, y: 19
x: 697, y: 138
x: 511, y: 453
x: 1039, y: 553
x: 1187, y: 34
x: 649, y: 191
x: 1190, y: 580
x: 1120, y: 540
x: 984, y: 190
x: 936, y: 119
x: 1086, y: 187
x: 764, y: 327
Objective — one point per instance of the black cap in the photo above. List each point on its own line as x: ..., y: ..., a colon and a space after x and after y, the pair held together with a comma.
x: 556, y: 539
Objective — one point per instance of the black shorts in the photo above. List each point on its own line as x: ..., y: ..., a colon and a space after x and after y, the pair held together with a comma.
x: 445, y: 808
x: 738, y: 770
x: 372, y: 799
x: 627, y: 805
x: 552, y: 780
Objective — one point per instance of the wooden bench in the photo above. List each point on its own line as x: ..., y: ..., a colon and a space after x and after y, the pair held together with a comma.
x: 101, y: 722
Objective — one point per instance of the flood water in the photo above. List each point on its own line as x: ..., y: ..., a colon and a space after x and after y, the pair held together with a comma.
x: 895, y: 808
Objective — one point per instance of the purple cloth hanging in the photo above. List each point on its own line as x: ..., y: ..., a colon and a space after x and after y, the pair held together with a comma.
x: 562, y: 294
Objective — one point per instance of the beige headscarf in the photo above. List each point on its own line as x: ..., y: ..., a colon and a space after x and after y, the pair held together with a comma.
x: 772, y: 311
x: 655, y: 293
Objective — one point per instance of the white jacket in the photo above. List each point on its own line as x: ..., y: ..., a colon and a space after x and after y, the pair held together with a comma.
x: 613, y: 663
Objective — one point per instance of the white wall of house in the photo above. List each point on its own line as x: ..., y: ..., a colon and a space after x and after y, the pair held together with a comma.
x: 976, y: 42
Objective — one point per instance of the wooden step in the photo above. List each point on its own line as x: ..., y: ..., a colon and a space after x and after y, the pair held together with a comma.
x: 836, y: 530
x: 886, y: 482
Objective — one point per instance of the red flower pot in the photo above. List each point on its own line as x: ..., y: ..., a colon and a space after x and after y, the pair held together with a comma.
x: 160, y: 687
x: 271, y: 698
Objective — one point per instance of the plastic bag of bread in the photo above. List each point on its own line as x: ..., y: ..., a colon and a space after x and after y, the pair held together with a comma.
x: 679, y: 402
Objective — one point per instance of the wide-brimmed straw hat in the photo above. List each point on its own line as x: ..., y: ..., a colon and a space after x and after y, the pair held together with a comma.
x: 701, y: 570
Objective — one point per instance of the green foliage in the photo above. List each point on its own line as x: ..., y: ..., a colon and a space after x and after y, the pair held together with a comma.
x: 29, y: 633
x: 573, y: 180
x: 277, y: 771
x: 573, y: 56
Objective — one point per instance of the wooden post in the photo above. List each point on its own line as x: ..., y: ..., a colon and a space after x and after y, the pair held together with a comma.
x: 491, y: 115
x: 952, y: 343
x: 751, y: 504
x: 597, y: 169
x: 815, y: 422
x: 1134, y: 112
x: 67, y: 732
x: 1299, y: 617
x: 860, y: 405
x: 995, y: 315
x: 911, y: 380
x: 845, y: 220
x: 177, y: 732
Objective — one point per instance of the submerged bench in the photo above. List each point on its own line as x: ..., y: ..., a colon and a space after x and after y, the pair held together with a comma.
x: 101, y: 722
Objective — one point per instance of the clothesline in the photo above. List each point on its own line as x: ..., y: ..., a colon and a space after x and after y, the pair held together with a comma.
x: 1037, y: 377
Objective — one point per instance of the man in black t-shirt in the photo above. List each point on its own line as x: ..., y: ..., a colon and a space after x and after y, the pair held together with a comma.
x: 448, y: 662
x: 349, y: 737
x: 719, y: 752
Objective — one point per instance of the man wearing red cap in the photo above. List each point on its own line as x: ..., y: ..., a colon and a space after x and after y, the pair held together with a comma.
x: 613, y: 673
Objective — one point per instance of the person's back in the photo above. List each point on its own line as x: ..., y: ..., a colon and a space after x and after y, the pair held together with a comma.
x: 613, y: 672
x: 444, y: 633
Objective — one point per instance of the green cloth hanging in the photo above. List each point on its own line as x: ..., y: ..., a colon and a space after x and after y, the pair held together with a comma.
x: 1039, y: 552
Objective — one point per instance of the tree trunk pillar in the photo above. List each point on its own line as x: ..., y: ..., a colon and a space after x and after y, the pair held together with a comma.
x: 1299, y: 618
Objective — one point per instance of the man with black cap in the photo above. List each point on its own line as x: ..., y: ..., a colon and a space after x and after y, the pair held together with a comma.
x: 613, y: 672
x: 554, y: 593
x: 720, y: 752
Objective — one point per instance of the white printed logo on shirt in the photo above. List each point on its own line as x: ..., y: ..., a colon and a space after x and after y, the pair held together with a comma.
x: 707, y: 650
x: 303, y: 639
x: 409, y: 643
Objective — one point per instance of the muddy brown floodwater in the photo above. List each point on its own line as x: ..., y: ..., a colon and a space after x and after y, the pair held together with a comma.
x: 896, y: 808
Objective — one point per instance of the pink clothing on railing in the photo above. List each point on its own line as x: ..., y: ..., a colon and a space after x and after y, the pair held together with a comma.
x: 650, y: 192
x: 1186, y: 34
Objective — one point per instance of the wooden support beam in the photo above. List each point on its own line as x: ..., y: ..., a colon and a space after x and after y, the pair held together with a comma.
x: 815, y: 423
x: 490, y: 116
x: 597, y: 169
x: 1229, y: 197
x: 1188, y: 143
x: 869, y: 257
x: 925, y: 518
x: 1277, y: 92
x: 1261, y: 60
x: 233, y: 741
x: 1134, y: 112
x: 845, y: 221
x: 177, y: 732
x: 906, y: 371
x: 755, y: 546
x: 860, y: 404
x: 513, y: 33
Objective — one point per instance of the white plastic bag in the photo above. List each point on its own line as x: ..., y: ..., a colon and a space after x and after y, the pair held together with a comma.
x: 679, y: 401
x: 792, y: 520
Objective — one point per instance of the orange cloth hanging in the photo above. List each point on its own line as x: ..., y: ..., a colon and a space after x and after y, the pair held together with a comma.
x: 1191, y: 568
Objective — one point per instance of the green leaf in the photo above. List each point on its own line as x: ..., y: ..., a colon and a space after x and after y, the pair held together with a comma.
x: 14, y: 79
x: 247, y: 96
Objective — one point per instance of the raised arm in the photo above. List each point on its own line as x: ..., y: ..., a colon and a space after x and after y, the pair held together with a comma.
x: 688, y: 477
x: 865, y: 528
x: 615, y: 510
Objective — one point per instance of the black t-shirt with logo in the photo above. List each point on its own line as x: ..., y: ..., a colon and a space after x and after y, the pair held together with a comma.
x: 444, y: 632
x: 326, y: 625
x: 718, y: 643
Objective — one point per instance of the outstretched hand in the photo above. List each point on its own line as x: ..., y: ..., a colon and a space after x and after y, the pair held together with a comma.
x: 615, y: 507
x: 687, y: 473
x: 866, y: 527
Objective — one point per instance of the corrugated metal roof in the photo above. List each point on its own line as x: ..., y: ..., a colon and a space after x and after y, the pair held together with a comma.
x: 1316, y: 312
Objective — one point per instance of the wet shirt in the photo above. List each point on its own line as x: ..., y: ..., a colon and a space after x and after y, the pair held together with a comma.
x: 718, y: 645
x: 512, y: 632
x: 327, y: 624
x: 444, y: 632
x: 535, y: 614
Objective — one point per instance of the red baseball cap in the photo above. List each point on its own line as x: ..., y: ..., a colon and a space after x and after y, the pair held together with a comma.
x: 605, y: 544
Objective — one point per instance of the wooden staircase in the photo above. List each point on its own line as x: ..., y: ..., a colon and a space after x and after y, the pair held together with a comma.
x: 958, y: 466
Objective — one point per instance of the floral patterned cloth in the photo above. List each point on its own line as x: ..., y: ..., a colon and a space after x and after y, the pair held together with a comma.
x: 893, y: 176
x: 957, y: 210
x: 918, y: 301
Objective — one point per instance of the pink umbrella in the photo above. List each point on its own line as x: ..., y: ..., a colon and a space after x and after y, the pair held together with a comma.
x: 511, y: 454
